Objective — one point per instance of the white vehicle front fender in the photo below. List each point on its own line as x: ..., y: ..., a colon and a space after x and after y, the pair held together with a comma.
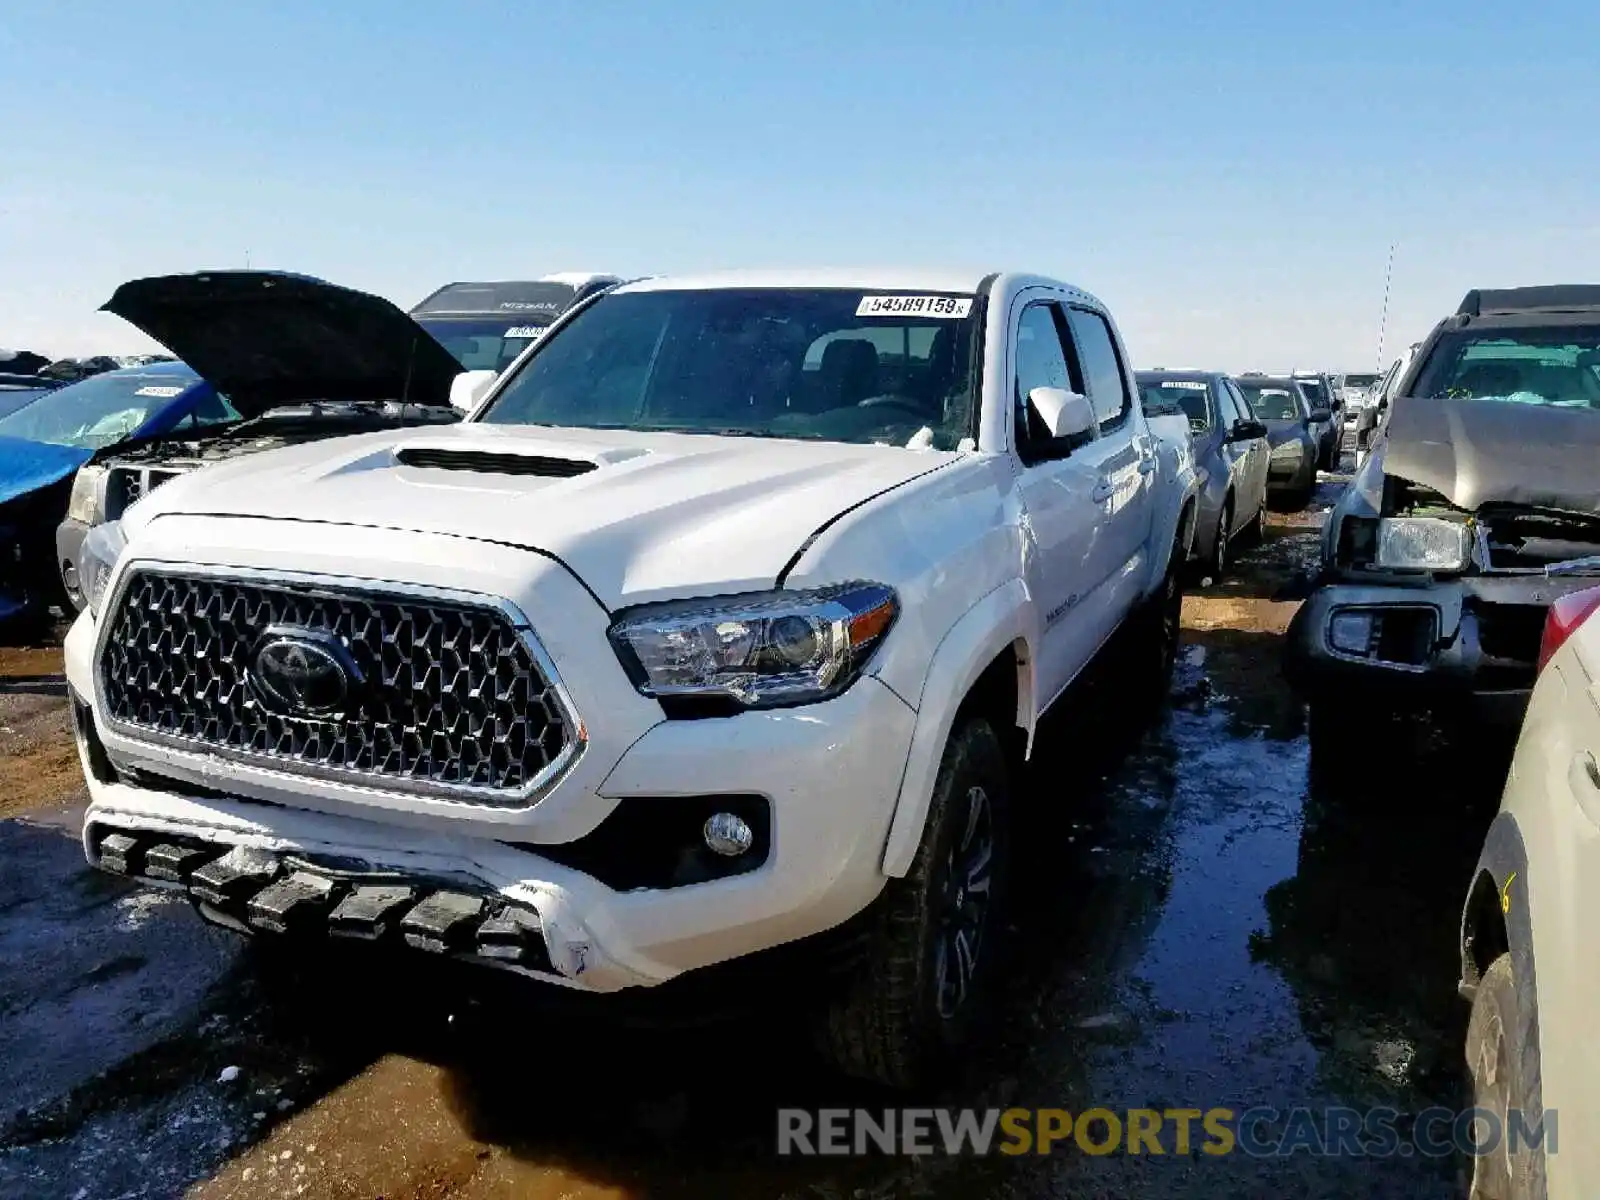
x: 1005, y: 619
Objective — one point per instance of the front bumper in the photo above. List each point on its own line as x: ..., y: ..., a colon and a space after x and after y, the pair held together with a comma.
x: 1471, y: 641
x: 830, y: 774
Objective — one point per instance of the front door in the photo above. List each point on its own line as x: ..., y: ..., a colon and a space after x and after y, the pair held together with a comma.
x: 1057, y: 484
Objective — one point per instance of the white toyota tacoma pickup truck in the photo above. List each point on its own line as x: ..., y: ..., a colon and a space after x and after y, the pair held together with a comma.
x: 725, y: 622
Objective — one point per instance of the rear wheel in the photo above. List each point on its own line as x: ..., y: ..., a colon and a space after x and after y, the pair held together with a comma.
x: 914, y: 1001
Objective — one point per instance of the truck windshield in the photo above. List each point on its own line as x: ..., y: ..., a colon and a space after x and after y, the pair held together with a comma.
x: 1359, y: 382
x: 485, y: 343
x: 1558, y: 367
x: 817, y: 363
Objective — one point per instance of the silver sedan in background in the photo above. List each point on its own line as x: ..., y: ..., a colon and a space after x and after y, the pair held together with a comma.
x: 1230, y: 453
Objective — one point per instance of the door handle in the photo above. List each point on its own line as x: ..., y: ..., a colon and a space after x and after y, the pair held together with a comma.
x: 1103, y: 490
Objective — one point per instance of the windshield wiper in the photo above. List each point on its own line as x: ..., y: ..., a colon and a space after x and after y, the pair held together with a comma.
x: 1588, y: 565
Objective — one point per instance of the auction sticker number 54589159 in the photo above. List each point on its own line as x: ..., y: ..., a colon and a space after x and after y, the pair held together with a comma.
x: 914, y: 306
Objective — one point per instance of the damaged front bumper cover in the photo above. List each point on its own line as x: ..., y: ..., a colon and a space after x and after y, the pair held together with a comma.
x: 1469, y: 641
x: 314, y: 875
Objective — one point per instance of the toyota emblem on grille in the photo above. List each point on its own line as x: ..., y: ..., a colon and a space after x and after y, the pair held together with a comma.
x: 298, y: 672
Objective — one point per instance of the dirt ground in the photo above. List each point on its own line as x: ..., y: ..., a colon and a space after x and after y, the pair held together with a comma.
x: 1195, y: 924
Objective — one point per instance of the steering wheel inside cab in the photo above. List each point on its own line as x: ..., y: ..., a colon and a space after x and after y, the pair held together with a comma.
x: 914, y: 409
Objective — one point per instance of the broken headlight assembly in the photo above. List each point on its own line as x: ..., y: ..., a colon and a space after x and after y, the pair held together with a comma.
x: 756, y: 651
x: 1423, y: 544
x: 97, y: 557
x: 84, y: 505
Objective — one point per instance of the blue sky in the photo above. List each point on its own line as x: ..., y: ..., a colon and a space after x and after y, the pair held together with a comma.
x: 1228, y: 176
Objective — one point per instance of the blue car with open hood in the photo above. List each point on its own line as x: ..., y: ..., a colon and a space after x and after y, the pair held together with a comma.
x: 46, y: 440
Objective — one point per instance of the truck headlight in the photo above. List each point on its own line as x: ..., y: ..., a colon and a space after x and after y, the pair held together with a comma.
x: 1289, y: 451
x: 760, y: 650
x: 1423, y: 544
x: 96, y: 559
x: 85, y: 502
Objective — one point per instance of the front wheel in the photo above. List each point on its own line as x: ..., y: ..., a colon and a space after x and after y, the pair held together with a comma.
x: 1503, y: 1061
x: 914, y: 1000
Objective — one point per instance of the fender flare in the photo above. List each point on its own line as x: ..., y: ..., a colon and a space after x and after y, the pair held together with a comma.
x: 1500, y: 889
x: 1005, y: 618
x: 1502, y: 866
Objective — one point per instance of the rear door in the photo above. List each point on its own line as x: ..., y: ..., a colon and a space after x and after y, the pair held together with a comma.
x: 1253, y: 452
x: 1123, y: 460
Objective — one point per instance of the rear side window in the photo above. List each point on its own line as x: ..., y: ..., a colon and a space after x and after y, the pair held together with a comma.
x: 1102, y: 366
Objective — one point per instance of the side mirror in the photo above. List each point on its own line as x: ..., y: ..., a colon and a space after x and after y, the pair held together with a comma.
x: 1065, y: 414
x: 467, y: 388
x: 1321, y: 413
x: 1244, y: 430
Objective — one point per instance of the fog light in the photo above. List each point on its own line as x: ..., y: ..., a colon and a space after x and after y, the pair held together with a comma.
x: 728, y: 835
x: 1351, y: 632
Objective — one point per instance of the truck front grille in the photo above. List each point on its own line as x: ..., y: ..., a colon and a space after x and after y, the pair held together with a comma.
x: 446, y: 697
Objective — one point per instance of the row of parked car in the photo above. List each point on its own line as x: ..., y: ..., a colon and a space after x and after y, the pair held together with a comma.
x: 1256, y: 439
x: 263, y: 359
x: 1461, y: 582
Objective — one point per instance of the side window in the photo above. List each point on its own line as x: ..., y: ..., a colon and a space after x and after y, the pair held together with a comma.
x: 1043, y: 359
x: 1102, y: 367
x: 1233, y: 407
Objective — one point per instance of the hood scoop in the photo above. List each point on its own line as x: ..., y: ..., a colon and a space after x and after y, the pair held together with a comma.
x: 488, y: 462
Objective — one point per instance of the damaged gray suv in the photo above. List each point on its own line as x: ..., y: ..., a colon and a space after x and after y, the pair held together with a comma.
x: 1478, y: 506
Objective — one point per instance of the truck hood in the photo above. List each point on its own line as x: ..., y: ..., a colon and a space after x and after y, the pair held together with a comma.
x: 28, y: 466
x: 1474, y: 452
x: 636, y: 516
x: 267, y: 338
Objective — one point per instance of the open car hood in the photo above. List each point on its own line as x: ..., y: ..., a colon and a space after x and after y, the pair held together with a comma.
x: 268, y: 338
x: 1474, y: 452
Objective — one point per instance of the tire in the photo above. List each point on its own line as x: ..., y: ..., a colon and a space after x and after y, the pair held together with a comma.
x: 902, y: 1016
x: 1218, y: 566
x: 1503, y: 1064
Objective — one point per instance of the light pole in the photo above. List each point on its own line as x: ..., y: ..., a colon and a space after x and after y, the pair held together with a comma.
x: 1383, y: 320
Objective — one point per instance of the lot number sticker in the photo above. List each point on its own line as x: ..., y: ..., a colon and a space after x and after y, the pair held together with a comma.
x: 1189, y: 384
x: 164, y: 393
x: 525, y: 331
x: 914, y: 306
